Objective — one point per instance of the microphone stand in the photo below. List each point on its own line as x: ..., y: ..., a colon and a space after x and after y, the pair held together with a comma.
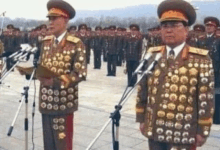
x: 116, y: 116
x: 24, y: 97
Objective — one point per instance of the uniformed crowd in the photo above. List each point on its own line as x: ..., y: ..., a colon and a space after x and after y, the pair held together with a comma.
x: 174, y: 106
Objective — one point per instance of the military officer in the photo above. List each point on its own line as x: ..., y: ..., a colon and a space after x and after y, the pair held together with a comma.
x: 82, y: 34
x: 192, y: 38
x: 105, y: 37
x: 132, y: 53
x: 72, y: 29
x: 65, y: 55
x: 111, y: 51
x: 97, y: 47
x: 90, y: 38
x: 175, y: 103
x: 120, y: 44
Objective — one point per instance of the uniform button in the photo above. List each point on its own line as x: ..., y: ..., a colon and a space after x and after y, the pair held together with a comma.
x: 169, y: 124
x: 160, y: 122
x: 203, y: 104
x: 63, y: 93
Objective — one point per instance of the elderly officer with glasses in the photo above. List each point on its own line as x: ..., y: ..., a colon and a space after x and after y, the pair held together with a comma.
x: 175, y: 103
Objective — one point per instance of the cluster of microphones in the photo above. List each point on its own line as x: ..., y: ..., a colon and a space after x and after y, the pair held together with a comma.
x: 142, y: 68
x: 21, y: 55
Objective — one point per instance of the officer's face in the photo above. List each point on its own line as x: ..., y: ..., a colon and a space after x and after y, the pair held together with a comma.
x: 173, y: 33
x: 209, y: 28
x: 83, y: 30
x: 57, y: 25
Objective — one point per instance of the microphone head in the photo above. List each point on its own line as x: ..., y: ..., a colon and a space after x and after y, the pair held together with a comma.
x: 158, y: 56
x: 148, y: 56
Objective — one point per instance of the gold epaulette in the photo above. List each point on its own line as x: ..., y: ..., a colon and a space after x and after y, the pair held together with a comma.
x: 72, y: 39
x: 48, y: 38
x: 198, y: 51
x: 155, y: 49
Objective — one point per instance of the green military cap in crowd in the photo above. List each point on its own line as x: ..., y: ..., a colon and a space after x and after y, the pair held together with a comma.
x: 199, y: 27
x: 112, y: 27
x: 10, y: 26
x: 82, y: 26
x: 211, y: 21
x: 134, y: 27
x: 98, y: 28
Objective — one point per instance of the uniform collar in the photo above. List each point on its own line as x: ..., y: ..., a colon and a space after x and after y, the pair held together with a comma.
x: 210, y: 35
x: 61, y: 36
x: 177, y: 49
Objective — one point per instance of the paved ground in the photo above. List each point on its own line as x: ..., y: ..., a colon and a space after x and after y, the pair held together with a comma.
x: 98, y: 95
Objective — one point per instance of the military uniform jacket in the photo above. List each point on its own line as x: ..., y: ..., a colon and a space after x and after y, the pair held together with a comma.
x: 85, y: 39
x: 112, y: 45
x: 9, y: 43
x: 120, y: 43
x: 133, y: 48
x: 68, y: 60
x: 176, y: 102
x: 97, y: 42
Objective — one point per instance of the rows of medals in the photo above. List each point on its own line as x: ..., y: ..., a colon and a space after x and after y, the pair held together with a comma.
x: 178, y: 92
x: 59, y: 126
x: 59, y: 100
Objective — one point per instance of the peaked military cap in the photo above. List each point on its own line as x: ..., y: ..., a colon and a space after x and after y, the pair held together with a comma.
x: 199, y: 27
x: 43, y: 26
x: 82, y: 26
x: 98, y: 28
x: 72, y: 27
x: 60, y: 8
x: 89, y: 29
x: 10, y: 26
x: 176, y: 10
x: 119, y: 29
x: 134, y: 27
x: 211, y: 20
x: 112, y: 27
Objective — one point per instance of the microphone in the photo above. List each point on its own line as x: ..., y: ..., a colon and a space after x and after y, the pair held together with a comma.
x: 143, y: 63
x: 153, y: 64
x: 17, y: 53
x: 28, y: 52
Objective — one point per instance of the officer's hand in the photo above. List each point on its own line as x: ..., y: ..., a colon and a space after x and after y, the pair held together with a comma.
x: 200, y: 140
x: 142, y: 128
x: 46, y: 81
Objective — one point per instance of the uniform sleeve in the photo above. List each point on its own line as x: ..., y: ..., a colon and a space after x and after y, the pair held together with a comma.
x: 141, y: 100
x: 79, y: 66
x: 205, y: 98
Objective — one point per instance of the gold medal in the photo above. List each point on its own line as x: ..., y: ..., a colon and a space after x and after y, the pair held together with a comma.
x: 183, y: 89
x: 81, y: 58
x: 77, y: 65
x: 180, y: 108
x: 193, y: 81
x: 53, y: 69
x: 182, y: 71
x: 189, y: 109
x: 60, y: 71
x: 157, y: 72
x: 67, y: 58
x: 211, y: 85
x: 193, y: 72
x: 55, y: 63
x: 154, y: 90
x: 67, y: 65
x: 192, y: 90
x: 61, y: 64
x: 160, y: 113
x: 182, y: 98
x: 175, y: 78
x: 174, y: 88
x: 171, y: 106
x: 190, y: 65
x: 179, y: 116
x: 62, y: 135
x: 170, y: 115
x: 173, y: 97
x: 184, y: 80
x: 203, y: 89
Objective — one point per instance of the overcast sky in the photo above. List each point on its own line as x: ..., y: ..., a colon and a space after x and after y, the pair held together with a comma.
x: 36, y: 9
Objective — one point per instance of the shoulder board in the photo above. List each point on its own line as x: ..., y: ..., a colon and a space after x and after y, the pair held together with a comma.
x: 72, y: 39
x: 156, y: 49
x: 48, y: 38
x: 198, y: 51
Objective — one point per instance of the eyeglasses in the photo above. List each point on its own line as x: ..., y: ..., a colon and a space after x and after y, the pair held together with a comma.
x: 172, y: 25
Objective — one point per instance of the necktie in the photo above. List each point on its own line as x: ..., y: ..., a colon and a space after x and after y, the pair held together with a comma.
x: 56, y: 41
x: 171, y: 54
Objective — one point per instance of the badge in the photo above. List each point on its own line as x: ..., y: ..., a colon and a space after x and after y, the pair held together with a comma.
x: 170, y: 115
x: 178, y: 125
x: 193, y: 81
x: 180, y: 108
x: 193, y: 72
x: 169, y: 138
x: 176, y: 140
x: 61, y: 64
x: 44, y: 97
x: 157, y: 72
x: 67, y: 65
x: 182, y: 98
x: 189, y: 109
x: 162, y: 65
x: 187, y: 126
x: 184, y: 140
x: 60, y: 71
x: 185, y: 134
x: 54, y: 58
x: 171, y: 106
x: 202, y: 97
x: 53, y: 69
x: 203, y: 104
x: 160, y: 138
x: 182, y: 71
x: 77, y: 65
x: 160, y: 122
x: 190, y: 100
x: 67, y: 58
x: 159, y: 130
x: 204, y: 80
x: 169, y: 124
x: 192, y: 90
x: 173, y: 97
x: 179, y: 116
x: 43, y: 105
x: 55, y: 63
x: 174, y: 88
x: 55, y: 107
x: 169, y: 132
x: 176, y: 133
x: 49, y: 106
x: 175, y: 78
x: 183, y: 89
x: 184, y: 80
x: 50, y: 98
x: 192, y: 140
x: 196, y: 65
x: 201, y: 112
x: 62, y: 135
x: 190, y: 65
x: 55, y: 127
x: 70, y: 97
x: 160, y: 113
x: 203, y: 89
x: 56, y: 99
x: 61, y: 128
x: 188, y: 117
x: 63, y: 99
x: 154, y: 90
x: 44, y: 90
x: 211, y: 85
x: 62, y: 107
x: 69, y: 104
x: 49, y: 64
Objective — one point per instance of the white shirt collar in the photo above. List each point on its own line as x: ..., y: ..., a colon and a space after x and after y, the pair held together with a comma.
x: 61, y: 36
x: 210, y: 35
x: 177, y: 49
